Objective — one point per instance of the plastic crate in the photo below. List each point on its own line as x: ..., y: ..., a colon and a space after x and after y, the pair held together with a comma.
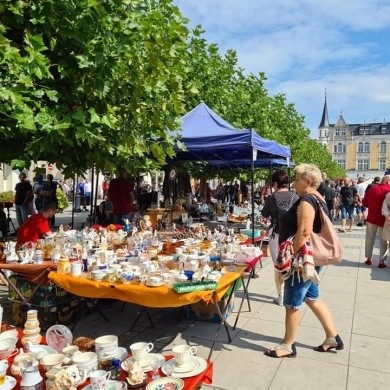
x: 181, y: 288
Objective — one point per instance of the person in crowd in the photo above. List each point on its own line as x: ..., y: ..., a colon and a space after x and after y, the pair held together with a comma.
x: 23, y: 195
x: 300, y: 220
x: 88, y: 191
x: 37, y: 187
x: 348, y: 195
x: 31, y: 210
x: 276, y: 204
x: 37, y: 226
x: 121, y: 193
x: 329, y: 195
x: 196, y: 189
x: 48, y: 192
x: 3, y: 221
x: 244, y: 190
x: 105, y: 186
x: 226, y: 198
x: 361, y: 210
x: 321, y: 188
x: 376, y: 181
x: 373, y: 200
x: 65, y: 188
x: 81, y: 191
x: 338, y: 185
x: 220, y: 191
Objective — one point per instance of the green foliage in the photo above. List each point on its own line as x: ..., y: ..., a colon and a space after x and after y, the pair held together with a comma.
x: 62, y: 200
x: 7, y: 196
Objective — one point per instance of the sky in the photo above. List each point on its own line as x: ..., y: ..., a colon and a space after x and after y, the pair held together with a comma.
x: 307, y: 47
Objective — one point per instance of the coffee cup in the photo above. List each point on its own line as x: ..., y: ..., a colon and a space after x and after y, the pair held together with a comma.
x: 99, y: 379
x: 3, y: 371
x: 76, y: 269
x: 179, y: 251
x: 111, y: 277
x: 140, y: 350
x: 155, y: 280
x: 183, y: 353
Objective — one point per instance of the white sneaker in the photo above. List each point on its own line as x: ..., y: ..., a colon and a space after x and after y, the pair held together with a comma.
x: 279, y: 300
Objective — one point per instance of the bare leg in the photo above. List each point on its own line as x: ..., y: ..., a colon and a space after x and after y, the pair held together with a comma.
x: 343, y: 223
x: 322, y: 312
x: 293, y: 316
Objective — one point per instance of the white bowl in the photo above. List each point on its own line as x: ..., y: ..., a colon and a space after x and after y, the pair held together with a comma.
x: 85, y: 358
x: 98, y: 275
x: 7, y: 344
x: 52, y: 360
x: 9, y: 334
x: 35, y: 348
x: 106, y: 341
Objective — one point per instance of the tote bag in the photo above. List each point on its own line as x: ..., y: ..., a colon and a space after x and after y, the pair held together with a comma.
x: 326, y: 245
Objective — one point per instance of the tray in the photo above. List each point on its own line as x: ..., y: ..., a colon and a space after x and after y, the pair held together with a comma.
x: 248, y: 232
x: 181, y: 288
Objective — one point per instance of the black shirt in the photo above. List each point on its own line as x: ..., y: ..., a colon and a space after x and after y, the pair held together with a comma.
x: 289, y: 221
x: 21, y: 190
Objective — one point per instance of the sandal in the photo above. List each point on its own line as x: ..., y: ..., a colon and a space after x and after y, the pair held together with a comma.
x: 341, y: 230
x: 285, y: 347
x: 331, y: 341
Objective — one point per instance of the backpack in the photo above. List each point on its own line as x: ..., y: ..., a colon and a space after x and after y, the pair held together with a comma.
x: 347, y: 196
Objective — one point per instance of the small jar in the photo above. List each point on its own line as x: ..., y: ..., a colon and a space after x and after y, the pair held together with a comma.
x: 63, y: 266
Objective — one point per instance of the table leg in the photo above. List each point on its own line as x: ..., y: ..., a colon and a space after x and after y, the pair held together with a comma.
x: 246, y: 295
x: 144, y: 309
x: 222, y: 314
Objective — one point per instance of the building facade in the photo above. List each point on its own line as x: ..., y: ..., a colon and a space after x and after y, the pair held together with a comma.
x: 362, y: 149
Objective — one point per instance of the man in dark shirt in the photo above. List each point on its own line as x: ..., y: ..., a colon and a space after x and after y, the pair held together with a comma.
x: 348, y: 195
x: 376, y: 181
x: 23, y: 195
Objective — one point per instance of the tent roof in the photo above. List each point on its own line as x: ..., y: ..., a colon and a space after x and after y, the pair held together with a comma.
x: 209, y: 137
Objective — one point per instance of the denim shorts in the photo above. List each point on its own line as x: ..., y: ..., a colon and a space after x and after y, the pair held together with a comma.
x: 347, y: 211
x: 361, y: 209
x: 296, y: 291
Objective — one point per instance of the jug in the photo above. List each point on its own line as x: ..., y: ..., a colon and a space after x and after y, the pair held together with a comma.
x: 31, y: 379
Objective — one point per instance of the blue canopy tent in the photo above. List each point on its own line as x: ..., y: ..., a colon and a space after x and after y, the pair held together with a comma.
x: 207, y: 137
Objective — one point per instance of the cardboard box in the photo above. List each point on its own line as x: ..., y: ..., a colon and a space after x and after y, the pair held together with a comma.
x: 203, y: 312
x: 64, y: 313
x: 47, y: 295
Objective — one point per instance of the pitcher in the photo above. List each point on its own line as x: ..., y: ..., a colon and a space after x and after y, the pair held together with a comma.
x: 31, y: 379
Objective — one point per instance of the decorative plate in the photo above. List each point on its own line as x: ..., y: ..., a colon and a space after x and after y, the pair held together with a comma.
x: 9, y: 383
x: 166, y: 384
x: 59, y: 337
x: 198, y: 370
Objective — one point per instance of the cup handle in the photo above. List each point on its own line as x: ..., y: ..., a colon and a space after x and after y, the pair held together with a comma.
x: 14, y: 352
x: 150, y: 346
x: 108, y: 375
x: 193, y: 350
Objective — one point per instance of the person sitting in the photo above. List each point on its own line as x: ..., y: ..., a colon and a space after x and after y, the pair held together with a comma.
x: 37, y: 226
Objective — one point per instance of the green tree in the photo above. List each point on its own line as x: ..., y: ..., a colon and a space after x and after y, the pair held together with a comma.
x: 91, y: 82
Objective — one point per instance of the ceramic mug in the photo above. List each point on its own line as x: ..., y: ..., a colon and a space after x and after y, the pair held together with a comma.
x: 140, y: 350
x: 155, y: 280
x: 111, y: 277
x: 183, y: 353
x: 99, y: 379
x: 76, y: 269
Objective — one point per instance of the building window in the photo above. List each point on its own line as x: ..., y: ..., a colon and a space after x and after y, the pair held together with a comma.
x: 364, y: 130
x: 383, y: 129
x: 341, y: 163
x: 343, y: 132
x: 382, y: 164
x: 360, y: 147
x: 366, y: 147
x: 337, y: 131
x: 363, y: 165
x: 383, y: 147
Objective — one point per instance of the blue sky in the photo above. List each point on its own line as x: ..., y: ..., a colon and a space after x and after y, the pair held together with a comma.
x: 305, y: 47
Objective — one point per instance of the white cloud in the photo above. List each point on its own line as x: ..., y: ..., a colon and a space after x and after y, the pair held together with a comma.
x: 306, y: 46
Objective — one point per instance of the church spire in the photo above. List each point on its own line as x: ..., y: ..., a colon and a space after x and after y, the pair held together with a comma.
x: 325, y: 118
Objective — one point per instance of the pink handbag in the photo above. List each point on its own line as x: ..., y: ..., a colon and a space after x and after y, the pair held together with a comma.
x: 326, y: 245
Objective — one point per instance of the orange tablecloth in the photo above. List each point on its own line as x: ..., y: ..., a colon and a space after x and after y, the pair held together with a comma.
x: 155, y: 297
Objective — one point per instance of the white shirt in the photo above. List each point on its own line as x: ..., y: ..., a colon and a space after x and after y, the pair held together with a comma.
x: 361, y: 187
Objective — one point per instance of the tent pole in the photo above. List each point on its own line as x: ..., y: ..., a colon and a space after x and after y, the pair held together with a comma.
x: 74, y: 197
x: 252, y: 195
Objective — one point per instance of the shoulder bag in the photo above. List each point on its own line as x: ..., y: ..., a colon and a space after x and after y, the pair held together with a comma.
x: 326, y: 245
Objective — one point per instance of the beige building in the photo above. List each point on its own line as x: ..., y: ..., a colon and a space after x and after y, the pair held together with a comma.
x: 362, y: 149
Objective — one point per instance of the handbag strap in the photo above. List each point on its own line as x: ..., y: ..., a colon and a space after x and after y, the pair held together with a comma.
x: 320, y: 207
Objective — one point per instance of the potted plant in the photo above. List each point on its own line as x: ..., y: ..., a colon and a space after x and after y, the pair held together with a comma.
x: 7, y: 197
x: 62, y: 200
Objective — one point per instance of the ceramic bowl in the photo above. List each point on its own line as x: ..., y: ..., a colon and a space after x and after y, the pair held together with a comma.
x: 108, y: 341
x: 52, y: 360
x: 9, y: 334
x: 9, y: 353
x: 7, y: 344
x: 166, y: 383
x: 45, y: 349
x: 98, y: 275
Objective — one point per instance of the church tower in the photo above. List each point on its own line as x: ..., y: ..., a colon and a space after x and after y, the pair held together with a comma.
x: 324, y: 128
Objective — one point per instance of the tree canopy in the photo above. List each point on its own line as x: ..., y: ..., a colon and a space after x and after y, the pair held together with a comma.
x: 100, y: 82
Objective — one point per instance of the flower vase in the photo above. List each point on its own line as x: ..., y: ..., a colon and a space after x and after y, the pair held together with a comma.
x: 31, y: 331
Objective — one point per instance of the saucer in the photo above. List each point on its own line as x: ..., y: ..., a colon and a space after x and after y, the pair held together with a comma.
x: 154, y: 285
x: 196, y: 371
x: 145, y: 364
x: 192, y: 364
x: 9, y: 383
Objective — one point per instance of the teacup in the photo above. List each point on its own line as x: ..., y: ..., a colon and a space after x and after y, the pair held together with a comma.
x: 155, y: 280
x: 140, y: 350
x: 99, y: 379
x: 111, y: 277
x: 3, y: 371
x: 7, y: 344
x: 179, y: 251
x: 183, y: 353
x: 98, y: 275
x: 70, y: 351
x: 52, y: 360
x: 76, y: 269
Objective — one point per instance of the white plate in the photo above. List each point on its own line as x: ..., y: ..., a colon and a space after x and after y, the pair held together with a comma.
x: 111, y: 385
x: 145, y: 366
x: 198, y: 370
x: 9, y: 383
x: 191, y: 365
x: 155, y: 285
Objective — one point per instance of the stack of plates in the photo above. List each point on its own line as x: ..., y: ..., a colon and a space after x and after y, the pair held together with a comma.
x: 195, y: 366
